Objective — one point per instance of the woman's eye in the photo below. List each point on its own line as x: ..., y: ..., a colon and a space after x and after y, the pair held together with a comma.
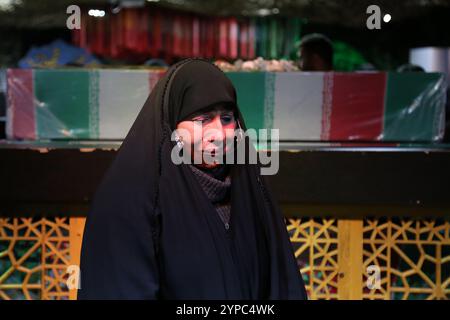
x: 227, y: 118
x: 201, y: 119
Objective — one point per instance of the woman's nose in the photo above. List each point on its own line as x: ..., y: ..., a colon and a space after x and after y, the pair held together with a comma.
x: 216, y: 130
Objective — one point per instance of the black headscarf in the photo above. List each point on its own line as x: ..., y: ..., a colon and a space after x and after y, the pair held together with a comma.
x: 152, y: 233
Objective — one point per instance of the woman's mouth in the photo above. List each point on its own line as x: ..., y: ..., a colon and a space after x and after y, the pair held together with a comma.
x: 211, y: 152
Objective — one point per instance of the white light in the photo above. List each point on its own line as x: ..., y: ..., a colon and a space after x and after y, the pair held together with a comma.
x: 152, y: 0
x: 387, y: 17
x: 8, y: 5
x: 263, y: 12
x: 96, y: 13
x: 275, y: 11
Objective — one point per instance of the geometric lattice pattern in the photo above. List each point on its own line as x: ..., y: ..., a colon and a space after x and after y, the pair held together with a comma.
x: 413, y: 257
x: 34, y: 255
x: 315, y: 243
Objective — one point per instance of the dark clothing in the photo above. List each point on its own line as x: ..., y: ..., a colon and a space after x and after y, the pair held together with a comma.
x: 153, y: 233
x: 217, y: 190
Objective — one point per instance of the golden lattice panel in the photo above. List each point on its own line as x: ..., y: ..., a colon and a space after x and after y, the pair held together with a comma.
x: 315, y: 244
x: 413, y: 258
x: 34, y: 255
x: 333, y: 255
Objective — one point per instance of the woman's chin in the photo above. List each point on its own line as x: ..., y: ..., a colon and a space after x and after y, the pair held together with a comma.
x: 210, y: 161
x: 209, y: 165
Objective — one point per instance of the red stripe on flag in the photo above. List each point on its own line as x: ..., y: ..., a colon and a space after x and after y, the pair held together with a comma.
x: 223, y: 37
x: 357, y: 106
x: 21, y: 104
x: 251, y: 41
x: 156, y: 45
x: 196, y: 37
x: 177, y: 36
x: 243, y: 43
x: 233, y: 37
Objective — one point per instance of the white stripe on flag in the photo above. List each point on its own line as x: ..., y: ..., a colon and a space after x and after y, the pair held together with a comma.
x: 298, y: 105
x: 122, y: 95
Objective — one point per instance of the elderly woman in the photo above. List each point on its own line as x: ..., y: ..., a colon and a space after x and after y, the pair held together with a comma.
x: 162, y: 230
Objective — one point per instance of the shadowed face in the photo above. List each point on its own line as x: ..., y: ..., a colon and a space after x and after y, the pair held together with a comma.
x: 311, y: 61
x: 207, y: 133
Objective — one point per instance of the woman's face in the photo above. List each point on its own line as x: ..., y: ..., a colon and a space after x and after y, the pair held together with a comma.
x: 207, y: 133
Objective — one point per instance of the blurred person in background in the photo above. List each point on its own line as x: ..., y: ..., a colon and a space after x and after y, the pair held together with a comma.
x: 315, y: 53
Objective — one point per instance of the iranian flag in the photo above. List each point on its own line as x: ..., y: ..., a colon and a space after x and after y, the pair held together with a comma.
x: 331, y: 106
x: 75, y: 104
x: 316, y: 106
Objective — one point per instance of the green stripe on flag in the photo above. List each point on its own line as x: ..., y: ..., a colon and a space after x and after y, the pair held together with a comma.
x: 250, y: 89
x: 414, y: 107
x: 62, y: 109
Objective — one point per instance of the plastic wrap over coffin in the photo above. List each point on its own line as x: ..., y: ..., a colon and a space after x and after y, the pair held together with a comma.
x: 304, y: 106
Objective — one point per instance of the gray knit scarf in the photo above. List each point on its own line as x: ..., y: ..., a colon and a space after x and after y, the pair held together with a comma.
x: 217, y: 191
